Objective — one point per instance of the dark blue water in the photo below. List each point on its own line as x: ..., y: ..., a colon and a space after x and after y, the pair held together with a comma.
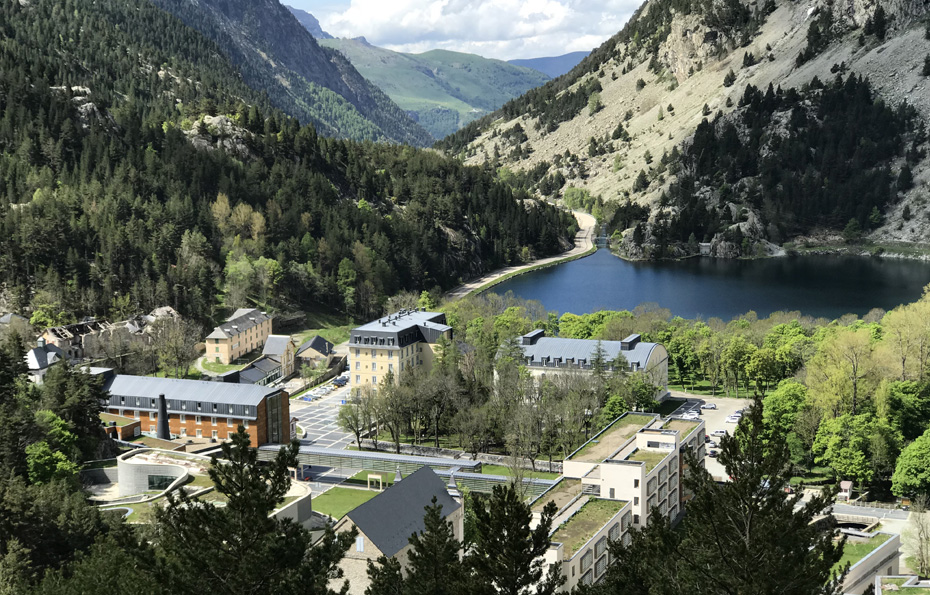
x: 827, y: 286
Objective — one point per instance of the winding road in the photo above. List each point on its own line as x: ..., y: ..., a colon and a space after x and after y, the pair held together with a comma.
x: 584, y: 241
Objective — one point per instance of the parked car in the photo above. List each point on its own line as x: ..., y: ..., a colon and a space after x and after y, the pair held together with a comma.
x: 690, y: 415
x: 733, y: 419
x: 712, y: 454
x: 706, y: 439
x: 711, y: 444
x: 709, y: 406
x: 719, y: 433
x: 340, y: 381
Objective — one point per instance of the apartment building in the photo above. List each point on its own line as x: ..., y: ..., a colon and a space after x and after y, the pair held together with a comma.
x: 243, y: 332
x: 201, y: 409
x: 398, y: 342
x: 614, y: 482
x: 544, y: 355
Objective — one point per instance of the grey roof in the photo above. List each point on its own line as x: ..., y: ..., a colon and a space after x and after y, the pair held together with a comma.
x: 43, y: 356
x: 276, y: 344
x: 265, y: 364
x: 400, y: 329
x: 251, y: 376
x: 204, y: 391
x: 318, y: 344
x: 391, y: 517
x: 584, y: 349
x: 243, y: 319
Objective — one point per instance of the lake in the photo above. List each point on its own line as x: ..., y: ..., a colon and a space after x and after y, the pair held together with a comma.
x: 827, y: 286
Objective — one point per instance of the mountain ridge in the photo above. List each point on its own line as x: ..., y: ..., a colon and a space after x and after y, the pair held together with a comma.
x: 278, y: 55
x: 310, y: 22
x: 674, y: 66
x: 441, y: 88
x: 552, y: 66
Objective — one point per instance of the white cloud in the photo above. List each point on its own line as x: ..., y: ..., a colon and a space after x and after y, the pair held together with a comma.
x: 504, y: 29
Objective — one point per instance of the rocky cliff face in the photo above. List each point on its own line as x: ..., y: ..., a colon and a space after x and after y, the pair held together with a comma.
x: 699, y: 70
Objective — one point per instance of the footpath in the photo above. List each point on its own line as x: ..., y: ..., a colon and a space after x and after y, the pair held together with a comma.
x: 584, y: 241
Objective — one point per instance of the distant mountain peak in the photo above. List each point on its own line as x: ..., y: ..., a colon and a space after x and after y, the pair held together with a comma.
x: 552, y: 66
x: 361, y: 39
x: 309, y: 22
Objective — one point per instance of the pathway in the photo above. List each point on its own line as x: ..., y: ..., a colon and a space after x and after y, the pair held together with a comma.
x: 584, y: 241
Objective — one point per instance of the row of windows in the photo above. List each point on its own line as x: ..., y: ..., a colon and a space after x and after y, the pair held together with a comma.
x: 215, y: 406
x: 406, y: 351
x: 230, y: 421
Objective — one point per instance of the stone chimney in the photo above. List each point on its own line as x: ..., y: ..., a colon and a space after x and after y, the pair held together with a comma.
x: 163, y: 432
x: 398, y: 476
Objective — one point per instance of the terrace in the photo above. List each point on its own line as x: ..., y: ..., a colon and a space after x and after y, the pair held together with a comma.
x: 562, y: 493
x: 685, y: 427
x: 118, y: 420
x: 585, y: 524
x: 908, y: 585
x: 858, y: 548
x: 650, y: 457
x: 607, y: 442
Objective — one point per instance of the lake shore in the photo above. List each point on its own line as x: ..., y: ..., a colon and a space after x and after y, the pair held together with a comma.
x: 584, y: 246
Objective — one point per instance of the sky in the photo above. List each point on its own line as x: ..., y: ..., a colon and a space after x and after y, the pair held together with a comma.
x: 503, y: 29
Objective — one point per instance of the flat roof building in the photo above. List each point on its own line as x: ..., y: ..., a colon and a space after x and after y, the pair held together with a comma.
x: 395, y: 343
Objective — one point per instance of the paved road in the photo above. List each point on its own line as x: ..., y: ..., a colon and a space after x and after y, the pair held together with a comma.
x: 714, y: 419
x: 584, y: 240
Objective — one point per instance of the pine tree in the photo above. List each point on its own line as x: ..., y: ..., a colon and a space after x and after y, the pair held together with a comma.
x: 506, y: 558
x: 239, y: 548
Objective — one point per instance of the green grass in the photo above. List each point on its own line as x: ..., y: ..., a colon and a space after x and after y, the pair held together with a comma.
x: 119, y: 419
x: 192, y: 373
x: 583, y: 525
x: 361, y: 478
x: 611, y: 440
x: 853, y: 552
x: 336, y: 502
x: 651, y: 458
x: 507, y: 471
x: 218, y: 368
x: 333, y: 327
x: 702, y: 388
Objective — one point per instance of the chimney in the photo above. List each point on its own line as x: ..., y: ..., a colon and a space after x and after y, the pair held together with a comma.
x: 163, y: 433
x: 41, y: 343
x: 398, y: 476
x: 452, y: 488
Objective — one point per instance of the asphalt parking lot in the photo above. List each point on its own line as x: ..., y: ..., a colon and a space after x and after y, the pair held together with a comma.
x: 714, y: 419
x: 318, y: 419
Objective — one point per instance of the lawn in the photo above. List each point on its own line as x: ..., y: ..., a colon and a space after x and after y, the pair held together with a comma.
x: 857, y: 549
x: 361, y: 478
x: 606, y: 443
x: 507, y: 471
x: 585, y: 523
x: 218, y: 368
x: 561, y: 494
x: 119, y: 419
x: 332, y: 327
x: 650, y: 457
x: 336, y: 502
x: 702, y: 388
x: 192, y: 373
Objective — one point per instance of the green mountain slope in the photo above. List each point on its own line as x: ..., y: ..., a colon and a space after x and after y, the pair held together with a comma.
x: 443, y: 90
x: 139, y: 170
x: 279, y: 56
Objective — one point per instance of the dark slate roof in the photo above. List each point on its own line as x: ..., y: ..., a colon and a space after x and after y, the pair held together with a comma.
x: 243, y: 319
x: 187, y: 390
x: 251, y: 376
x: 584, y: 349
x: 43, y: 356
x: 400, y: 329
x: 391, y: 517
x: 10, y: 317
x: 276, y: 344
x: 317, y: 343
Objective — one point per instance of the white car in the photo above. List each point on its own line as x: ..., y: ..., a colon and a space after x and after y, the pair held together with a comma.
x: 719, y: 433
x: 709, y: 406
x: 733, y: 419
x: 690, y: 415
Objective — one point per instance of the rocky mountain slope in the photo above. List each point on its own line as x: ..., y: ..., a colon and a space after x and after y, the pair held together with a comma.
x: 643, y: 94
x: 276, y: 54
x: 441, y: 90
x: 309, y: 22
x: 552, y: 66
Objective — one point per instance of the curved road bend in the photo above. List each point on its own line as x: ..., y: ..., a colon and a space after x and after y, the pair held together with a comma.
x: 584, y: 240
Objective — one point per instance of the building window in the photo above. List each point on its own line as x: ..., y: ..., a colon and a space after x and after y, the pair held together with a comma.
x: 390, y: 355
x: 198, y: 406
x: 374, y: 380
x: 122, y: 400
x: 214, y: 406
x: 374, y: 366
x: 635, y: 520
x: 199, y: 433
x: 229, y: 422
x: 612, y: 497
x: 183, y: 431
x: 358, y: 365
x: 216, y: 349
x: 358, y: 379
x: 153, y: 403
x: 182, y: 418
x: 197, y: 420
x: 390, y: 367
x: 635, y: 500
x: 635, y: 483
x: 151, y: 415
x: 358, y: 352
x: 212, y: 421
x: 215, y: 435
x: 245, y: 424
x: 359, y: 544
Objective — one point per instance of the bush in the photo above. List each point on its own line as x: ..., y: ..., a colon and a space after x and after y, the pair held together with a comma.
x: 926, y: 70
x: 640, y: 85
x: 729, y: 79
